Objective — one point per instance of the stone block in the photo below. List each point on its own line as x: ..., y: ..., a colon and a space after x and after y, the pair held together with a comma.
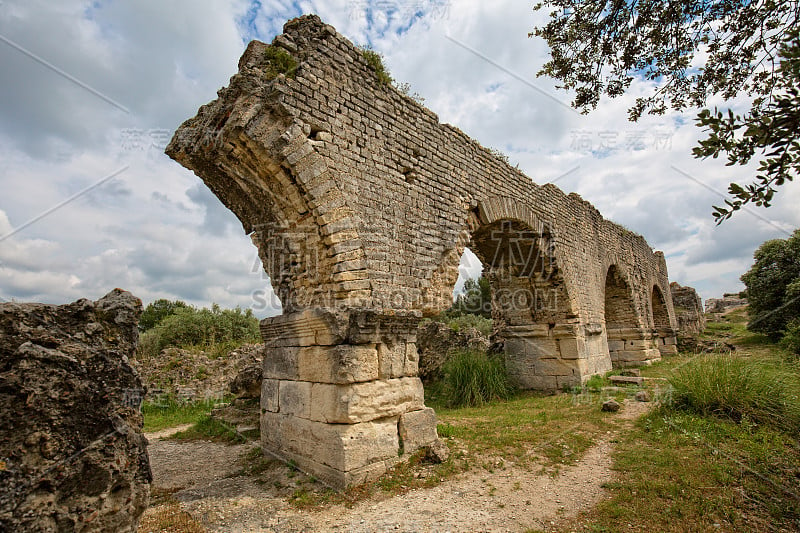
x: 344, y: 363
x: 572, y: 348
x: 362, y: 402
x: 343, y: 447
x: 397, y: 360
x: 295, y: 398
x: 555, y: 367
x: 269, y: 395
x: 309, y: 327
x: 417, y: 429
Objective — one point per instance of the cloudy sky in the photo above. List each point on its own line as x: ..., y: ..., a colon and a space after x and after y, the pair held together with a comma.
x: 91, y: 92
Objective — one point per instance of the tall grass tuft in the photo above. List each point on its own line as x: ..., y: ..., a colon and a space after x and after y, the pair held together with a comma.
x: 763, y: 391
x: 473, y: 378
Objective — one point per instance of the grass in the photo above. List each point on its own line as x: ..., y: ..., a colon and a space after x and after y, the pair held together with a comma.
x: 167, y: 412
x: 208, y: 428
x: 474, y: 378
x: 375, y: 61
x: 720, y: 454
x: 683, y: 472
x: 762, y: 390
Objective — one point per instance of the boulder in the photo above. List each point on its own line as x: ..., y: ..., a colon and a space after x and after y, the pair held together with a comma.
x: 72, y: 453
x: 435, y: 340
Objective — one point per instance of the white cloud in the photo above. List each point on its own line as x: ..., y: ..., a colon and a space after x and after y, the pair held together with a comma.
x: 156, y: 230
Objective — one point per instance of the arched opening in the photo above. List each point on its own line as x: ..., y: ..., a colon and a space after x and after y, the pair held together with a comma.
x: 531, y: 309
x: 622, y: 327
x: 663, y: 334
x: 659, y: 306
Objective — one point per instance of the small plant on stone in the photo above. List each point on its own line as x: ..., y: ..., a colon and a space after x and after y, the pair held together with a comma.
x: 375, y: 60
x: 280, y: 62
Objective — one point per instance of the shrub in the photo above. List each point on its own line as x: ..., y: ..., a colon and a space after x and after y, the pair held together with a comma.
x: 759, y: 390
x: 217, y: 329
x: 791, y: 338
x: 157, y: 311
x: 484, y: 325
x: 473, y: 378
x: 280, y: 62
x: 375, y: 60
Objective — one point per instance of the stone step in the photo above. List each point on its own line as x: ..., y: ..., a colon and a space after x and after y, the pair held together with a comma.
x: 626, y: 380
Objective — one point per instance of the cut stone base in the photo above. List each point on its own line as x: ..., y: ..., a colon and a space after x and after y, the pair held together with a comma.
x: 340, y: 396
x: 630, y: 347
x: 553, y: 358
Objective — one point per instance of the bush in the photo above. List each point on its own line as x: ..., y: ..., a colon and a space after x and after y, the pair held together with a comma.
x: 473, y: 378
x: 202, y: 328
x: 791, y: 338
x: 157, y: 311
x: 280, y: 62
x: 484, y: 325
x: 375, y: 60
x: 759, y: 390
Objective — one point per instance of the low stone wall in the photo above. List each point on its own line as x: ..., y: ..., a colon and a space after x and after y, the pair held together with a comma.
x: 72, y: 453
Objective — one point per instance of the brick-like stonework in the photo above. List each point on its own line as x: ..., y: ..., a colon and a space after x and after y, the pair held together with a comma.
x: 361, y: 204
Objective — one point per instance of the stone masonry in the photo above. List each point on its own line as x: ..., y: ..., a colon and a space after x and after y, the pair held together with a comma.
x: 361, y: 204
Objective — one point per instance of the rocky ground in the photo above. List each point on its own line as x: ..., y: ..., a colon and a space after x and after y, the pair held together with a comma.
x: 208, y: 482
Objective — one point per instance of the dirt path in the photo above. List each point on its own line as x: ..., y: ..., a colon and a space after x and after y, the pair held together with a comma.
x: 512, y: 498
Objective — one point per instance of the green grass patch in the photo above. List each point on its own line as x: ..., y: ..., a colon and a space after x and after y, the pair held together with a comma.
x: 207, y: 428
x: 167, y: 412
x: 764, y: 391
x: 555, y: 428
x: 683, y: 472
x: 474, y: 378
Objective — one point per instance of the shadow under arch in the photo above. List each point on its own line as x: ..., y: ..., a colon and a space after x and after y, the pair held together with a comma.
x: 663, y: 332
x: 629, y: 342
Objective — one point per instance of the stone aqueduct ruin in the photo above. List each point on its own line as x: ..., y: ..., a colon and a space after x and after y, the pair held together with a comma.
x: 361, y: 204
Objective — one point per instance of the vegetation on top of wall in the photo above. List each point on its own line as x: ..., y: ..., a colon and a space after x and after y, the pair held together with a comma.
x: 375, y: 60
x: 280, y: 62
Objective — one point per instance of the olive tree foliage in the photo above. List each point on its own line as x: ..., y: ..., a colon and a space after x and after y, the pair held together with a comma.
x: 773, y: 287
x: 692, y: 51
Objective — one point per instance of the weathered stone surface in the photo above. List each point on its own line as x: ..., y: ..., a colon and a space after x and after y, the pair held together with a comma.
x: 626, y: 380
x: 610, y: 406
x: 362, y: 402
x: 71, y: 448
x: 417, y: 429
x: 343, y: 447
x: 642, y: 396
x: 688, y: 310
x: 247, y: 382
x: 436, y: 339
x: 727, y: 302
x: 437, y: 452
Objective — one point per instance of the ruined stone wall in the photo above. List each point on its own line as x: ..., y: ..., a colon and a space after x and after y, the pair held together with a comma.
x: 72, y: 453
x: 369, y: 178
x: 361, y: 204
x: 688, y: 310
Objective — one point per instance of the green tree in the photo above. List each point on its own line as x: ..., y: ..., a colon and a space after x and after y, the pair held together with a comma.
x: 157, y: 311
x: 773, y: 286
x: 692, y: 51
x: 476, y: 299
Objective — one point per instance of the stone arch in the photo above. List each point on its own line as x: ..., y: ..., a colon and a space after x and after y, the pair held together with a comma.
x: 664, y: 336
x: 629, y: 343
x: 658, y: 307
x: 532, y: 309
x: 284, y: 194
